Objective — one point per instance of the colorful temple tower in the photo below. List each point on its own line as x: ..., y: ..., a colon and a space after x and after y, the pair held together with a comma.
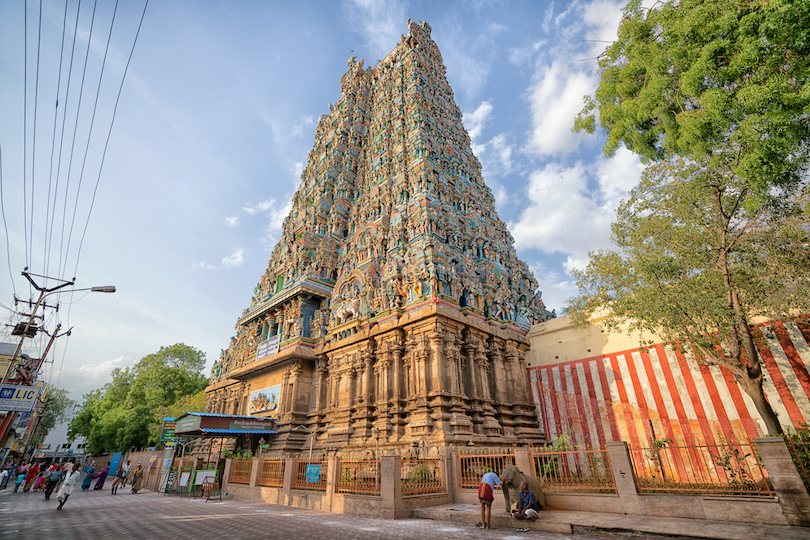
x: 394, y: 309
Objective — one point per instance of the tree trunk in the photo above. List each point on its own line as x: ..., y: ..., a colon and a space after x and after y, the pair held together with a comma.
x: 753, y: 387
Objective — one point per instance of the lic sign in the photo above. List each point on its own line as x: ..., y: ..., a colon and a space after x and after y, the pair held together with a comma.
x: 14, y: 397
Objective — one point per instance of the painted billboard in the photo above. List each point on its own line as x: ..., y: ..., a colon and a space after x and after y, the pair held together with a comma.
x: 264, y: 400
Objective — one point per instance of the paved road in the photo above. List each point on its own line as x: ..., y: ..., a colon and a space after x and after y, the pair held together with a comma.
x: 92, y: 515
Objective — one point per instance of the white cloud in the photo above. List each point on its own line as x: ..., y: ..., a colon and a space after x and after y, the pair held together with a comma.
x: 555, y: 99
x: 474, y: 122
x: 273, y: 230
x: 381, y: 22
x: 555, y: 287
x: 259, y: 207
x: 232, y: 221
x: 565, y: 216
x: 103, y: 370
x: 303, y: 126
x: 237, y: 258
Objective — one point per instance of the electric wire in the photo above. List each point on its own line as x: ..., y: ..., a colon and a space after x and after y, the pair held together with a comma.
x: 73, y: 142
x: 45, y: 251
x: 25, y: 130
x: 34, y: 134
x: 5, y: 225
x: 89, y: 137
x: 62, y: 135
x: 109, y: 132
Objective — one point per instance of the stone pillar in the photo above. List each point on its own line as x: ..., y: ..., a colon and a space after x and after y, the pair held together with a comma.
x: 332, y: 472
x: 623, y: 476
x: 289, y: 475
x: 786, y: 480
x: 254, y: 472
x: 226, y: 474
x: 437, y: 375
x: 523, y: 460
x: 391, y: 506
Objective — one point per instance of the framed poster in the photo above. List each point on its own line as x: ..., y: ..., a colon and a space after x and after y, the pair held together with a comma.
x: 264, y: 400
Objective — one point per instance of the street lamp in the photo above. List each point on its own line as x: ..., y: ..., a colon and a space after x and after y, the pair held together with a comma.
x: 43, y: 292
x: 311, y: 436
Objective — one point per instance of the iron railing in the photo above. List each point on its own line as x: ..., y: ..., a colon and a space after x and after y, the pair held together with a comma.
x: 240, y: 471
x: 271, y: 473
x: 716, y: 469
x: 582, y: 471
x: 473, y: 464
x: 310, y: 475
x: 800, y: 451
x: 422, y: 476
x: 359, y: 477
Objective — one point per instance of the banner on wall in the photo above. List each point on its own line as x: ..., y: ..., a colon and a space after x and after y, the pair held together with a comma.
x: 264, y: 400
x: 268, y: 347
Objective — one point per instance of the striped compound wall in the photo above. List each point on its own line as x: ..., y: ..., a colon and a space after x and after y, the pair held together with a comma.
x: 618, y: 397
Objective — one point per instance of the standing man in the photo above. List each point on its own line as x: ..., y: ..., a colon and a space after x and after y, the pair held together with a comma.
x: 486, y: 496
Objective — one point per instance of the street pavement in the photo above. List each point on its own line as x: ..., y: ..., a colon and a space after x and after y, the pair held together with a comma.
x: 97, y: 515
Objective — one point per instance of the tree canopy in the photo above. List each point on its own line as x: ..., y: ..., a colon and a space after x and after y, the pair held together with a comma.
x: 124, y: 413
x: 54, y: 408
x: 715, y: 98
x: 726, y: 84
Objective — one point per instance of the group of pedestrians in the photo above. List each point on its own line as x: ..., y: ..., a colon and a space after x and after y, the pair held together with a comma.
x: 64, y: 476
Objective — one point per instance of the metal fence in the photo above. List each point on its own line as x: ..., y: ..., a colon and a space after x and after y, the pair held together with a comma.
x: 359, y: 477
x: 472, y: 464
x: 310, y: 475
x: 271, y: 473
x: 422, y: 476
x: 727, y: 469
x: 800, y: 451
x: 240, y: 471
x: 583, y: 471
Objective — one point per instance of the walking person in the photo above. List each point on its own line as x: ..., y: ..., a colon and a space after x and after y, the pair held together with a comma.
x: 3, y: 478
x: 89, y: 478
x: 137, y: 479
x: 127, y: 467
x: 119, y: 478
x: 19, y: 481
x: 486, y: 496
x: 31, y: 476
x: 67, y: 486
x: 53, y: 478
x: 102, y: 476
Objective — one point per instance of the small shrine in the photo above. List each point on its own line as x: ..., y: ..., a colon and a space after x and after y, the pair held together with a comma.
x: 394, y: 310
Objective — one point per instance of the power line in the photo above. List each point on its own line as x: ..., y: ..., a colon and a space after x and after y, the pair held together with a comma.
x: 45, y: 251
x: 34, y: 136
x: 5, y: 225
x: 89, y: 136
x: 60, y: 273
x: 62, y: 135
x: 109, y: 132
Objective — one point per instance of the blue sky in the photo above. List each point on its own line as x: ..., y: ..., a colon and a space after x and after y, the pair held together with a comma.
x: 215, y: 120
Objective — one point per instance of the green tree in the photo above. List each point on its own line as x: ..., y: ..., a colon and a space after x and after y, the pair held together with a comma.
x: 54, y: 408
x: 725, y: 84
x: 122, y: 413
x: 195, y: 402
x: 700, y: 253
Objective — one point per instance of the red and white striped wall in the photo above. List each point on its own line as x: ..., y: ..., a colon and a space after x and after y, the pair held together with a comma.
x: 623, y: 396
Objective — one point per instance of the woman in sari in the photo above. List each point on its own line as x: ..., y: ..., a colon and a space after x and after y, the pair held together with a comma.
x: 102, y: 476
x: 89, y: 478
x: 31, y: 476
x: 42, y: 481
x: 137, y: 479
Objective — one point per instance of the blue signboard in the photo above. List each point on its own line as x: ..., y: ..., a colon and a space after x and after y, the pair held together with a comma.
x: 14, y: 397
x: 267, y: 347
x: 313, y: 474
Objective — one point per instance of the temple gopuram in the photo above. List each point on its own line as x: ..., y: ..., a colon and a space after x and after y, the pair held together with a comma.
x: 394, y: 310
